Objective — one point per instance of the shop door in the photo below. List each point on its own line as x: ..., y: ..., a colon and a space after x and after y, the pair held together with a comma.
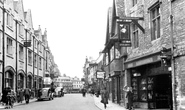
x: 163, y: 91
x: 118, y: 90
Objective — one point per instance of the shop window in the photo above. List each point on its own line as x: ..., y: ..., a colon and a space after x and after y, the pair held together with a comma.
x: 155, y: 22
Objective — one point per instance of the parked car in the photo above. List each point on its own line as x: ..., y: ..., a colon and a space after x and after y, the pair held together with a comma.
x: 65, y: 91
x: 45, y: 93
x: 58, y: 91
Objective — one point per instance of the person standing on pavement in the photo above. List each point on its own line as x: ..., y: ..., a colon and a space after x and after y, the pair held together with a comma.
x: 129, y: 96
x: 27, y: 95
x: 4, y: 96
x: 104, y: 97
x: 21, y: 94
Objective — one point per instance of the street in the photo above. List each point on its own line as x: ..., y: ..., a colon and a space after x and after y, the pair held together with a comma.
x: 68, y: 102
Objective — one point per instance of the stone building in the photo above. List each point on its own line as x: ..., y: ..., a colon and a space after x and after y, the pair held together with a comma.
x: 24, y: 52
x: 150, y: 57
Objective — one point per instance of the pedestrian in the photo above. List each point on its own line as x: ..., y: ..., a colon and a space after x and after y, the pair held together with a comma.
x: 27, y: 95
x: 83, y: 92
x: 129, y: 96
x: 104, y: 97
x: 21, y: 94
x: 10, y: 98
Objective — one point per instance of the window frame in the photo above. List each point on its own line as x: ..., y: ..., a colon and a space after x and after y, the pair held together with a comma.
x: 30, y: 57
x: 135, y: 36
x: 9, y: 46
x: 9, y: 20
x: 155, y: 17
x: 21, y: 52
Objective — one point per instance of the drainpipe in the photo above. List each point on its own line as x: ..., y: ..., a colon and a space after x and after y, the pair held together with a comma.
x: 3, y: 51
x: 174, y: 85
x: 16, y: 82
x: 26, y: 62
x: 34, y: 63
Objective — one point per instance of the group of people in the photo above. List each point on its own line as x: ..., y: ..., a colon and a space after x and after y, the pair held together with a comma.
x: 9, y: 97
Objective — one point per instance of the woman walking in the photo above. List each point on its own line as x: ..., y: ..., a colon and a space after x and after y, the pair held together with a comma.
x: 104, y: 96
x: 129, y: 96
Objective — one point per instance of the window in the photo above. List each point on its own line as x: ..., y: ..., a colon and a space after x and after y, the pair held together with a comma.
x: 35, y: 60
x: 40, y: 62
x: 134, y: 2
x: 9, y: 46
x: 9, y: 20
x: 135, y: 36
x: 9, y: 79
x: 112, y: 53
x: 20, y: 29
x: 29, y: 57
x: 21, y: 53
x: 29, y: 82
x: 117, y: 53
x: 1, y: 16
x: 1, y: 42
x: 155, y: 22
x: 20, y: 81
x: 36, y: 44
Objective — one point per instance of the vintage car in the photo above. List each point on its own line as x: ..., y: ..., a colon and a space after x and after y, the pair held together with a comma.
x: 45, y: 93
x: 58, y: 92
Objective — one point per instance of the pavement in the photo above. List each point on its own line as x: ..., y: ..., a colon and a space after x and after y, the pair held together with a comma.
x: 110, y: 105
x: 17, y: 104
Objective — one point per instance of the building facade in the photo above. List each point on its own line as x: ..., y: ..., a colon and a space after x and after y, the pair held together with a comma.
x: 63, y: 81
x: 24, y: 52
x: 146, y: 38
x: 77, y: 84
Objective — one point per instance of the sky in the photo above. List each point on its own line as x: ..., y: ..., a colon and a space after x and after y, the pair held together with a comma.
x: 75, y: 29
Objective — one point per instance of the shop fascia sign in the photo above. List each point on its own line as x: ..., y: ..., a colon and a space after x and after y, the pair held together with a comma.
x: 100, y: 74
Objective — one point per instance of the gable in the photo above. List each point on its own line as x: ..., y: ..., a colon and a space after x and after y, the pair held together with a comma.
x: 28, y: 18
x: 20, y: 9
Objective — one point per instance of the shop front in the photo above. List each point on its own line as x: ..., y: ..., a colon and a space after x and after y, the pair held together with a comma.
x: 152, y: 85
x: 116, y: 93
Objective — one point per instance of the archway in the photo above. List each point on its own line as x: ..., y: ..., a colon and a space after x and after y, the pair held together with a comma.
x: 9, y: 77
x: 21, y: 79
x: 29, y: 81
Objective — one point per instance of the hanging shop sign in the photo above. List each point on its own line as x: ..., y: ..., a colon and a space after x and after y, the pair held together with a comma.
x: 125, y: 40
x: 27, y: 43
x: 100, y: 74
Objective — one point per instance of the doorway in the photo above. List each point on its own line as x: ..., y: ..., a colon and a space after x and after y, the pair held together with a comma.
x: 163, y: 91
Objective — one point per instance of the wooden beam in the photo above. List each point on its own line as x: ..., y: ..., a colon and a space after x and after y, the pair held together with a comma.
x: 138, y: 25
x: 130, y: 18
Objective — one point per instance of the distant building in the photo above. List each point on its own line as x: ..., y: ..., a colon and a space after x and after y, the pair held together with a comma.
x: 63, y: 81
x: 77, y: 84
